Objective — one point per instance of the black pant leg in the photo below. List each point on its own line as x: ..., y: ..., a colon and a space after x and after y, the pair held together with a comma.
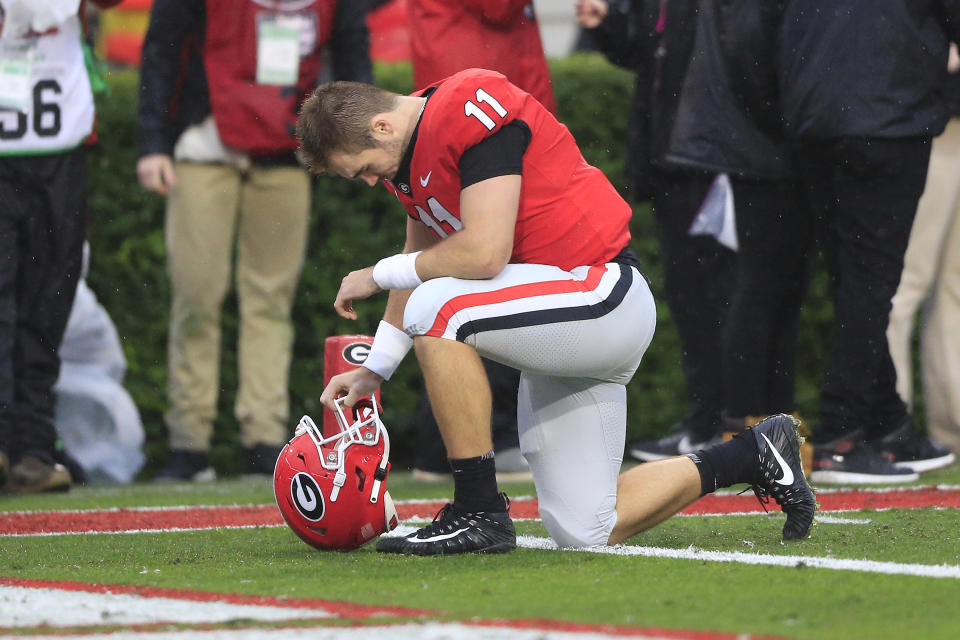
x: 698, y: 278
x: 867, y: 190
x: 51, y: 234
x: 760, y: 333
x: 13, y: 204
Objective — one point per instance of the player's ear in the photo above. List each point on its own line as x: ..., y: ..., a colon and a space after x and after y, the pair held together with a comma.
x: 381, y: 126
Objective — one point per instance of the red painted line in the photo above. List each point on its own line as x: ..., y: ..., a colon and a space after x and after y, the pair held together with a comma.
x: 841, y: 500
x: 348, y: 612
x: 117, y: 520
x: 340, y: 609
x: 618, y: 631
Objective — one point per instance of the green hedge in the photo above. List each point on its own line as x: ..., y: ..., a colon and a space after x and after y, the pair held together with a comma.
x: 353, y: 225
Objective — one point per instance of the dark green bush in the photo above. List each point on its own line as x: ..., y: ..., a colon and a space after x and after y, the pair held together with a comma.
x: 353, y: 226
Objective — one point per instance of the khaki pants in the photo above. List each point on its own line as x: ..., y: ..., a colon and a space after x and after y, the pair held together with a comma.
x: 931, y: 284
x: 264, y: 211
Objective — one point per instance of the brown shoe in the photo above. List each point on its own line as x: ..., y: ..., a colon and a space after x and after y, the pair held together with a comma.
x: 32, y: 475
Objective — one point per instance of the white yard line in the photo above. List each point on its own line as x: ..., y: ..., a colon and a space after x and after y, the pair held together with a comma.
x: 47, y: 534
x: 34, y: 607
x: 413, y: 631
x: 693, y: 553
x: 133, y: 616
x: 822, y: 518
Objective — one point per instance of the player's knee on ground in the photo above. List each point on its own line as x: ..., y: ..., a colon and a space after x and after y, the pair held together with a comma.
x: 566, y: 531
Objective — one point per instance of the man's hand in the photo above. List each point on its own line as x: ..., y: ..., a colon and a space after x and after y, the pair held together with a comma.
x: 590, y: 13
x: 354, y: 384
x: 356, y: 285
x: 155, y: 173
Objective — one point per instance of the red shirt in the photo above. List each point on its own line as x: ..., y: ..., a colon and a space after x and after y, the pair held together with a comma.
x: 501, y: 35
x: 260, y: 118
x: 570, y: 215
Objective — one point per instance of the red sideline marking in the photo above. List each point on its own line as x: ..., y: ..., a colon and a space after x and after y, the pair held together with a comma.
x: 842, y: 500
x: 346, y: 610
x: 341, y: 609
x: 612, y: 630
x: 113, y: 520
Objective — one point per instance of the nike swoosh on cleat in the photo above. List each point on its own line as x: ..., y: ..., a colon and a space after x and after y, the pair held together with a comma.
x: 425, y: 181
x: 444, y: 536
x: 787, y: 478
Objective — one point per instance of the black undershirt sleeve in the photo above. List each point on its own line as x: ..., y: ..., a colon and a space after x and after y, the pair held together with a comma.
x: 499, y: 155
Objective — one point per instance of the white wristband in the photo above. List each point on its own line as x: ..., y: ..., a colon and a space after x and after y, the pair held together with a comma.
x: 389, y: 347
x: 397, y: 272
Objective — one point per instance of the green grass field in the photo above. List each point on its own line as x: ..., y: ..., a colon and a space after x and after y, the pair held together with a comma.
x: 796, y: 601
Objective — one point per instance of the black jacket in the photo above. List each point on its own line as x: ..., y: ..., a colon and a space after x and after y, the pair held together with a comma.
x: 874, y: 68
x: 173, y: 83
x: 728, y: 120
x: 629, y: 37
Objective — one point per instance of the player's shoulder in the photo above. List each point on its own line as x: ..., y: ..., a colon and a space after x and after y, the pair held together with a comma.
x: 468, y: 107
x: 469, y: 80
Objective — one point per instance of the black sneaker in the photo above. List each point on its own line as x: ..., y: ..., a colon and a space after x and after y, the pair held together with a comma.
x: 456, y: 531
x: 853, y: 462
x: 677, y: 443
x: 186, y: 466
x: 781, y: 473
x: 909, y: 449
x: 261, y: 460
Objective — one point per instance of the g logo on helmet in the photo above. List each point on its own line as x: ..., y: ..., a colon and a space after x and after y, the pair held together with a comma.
x: 307, y: 497
x: 356, y: 353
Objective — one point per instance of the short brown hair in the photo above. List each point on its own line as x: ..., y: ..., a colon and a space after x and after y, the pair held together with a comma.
x: 336, y: 118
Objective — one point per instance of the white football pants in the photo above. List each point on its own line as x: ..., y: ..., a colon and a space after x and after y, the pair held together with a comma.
x: 577, y: 337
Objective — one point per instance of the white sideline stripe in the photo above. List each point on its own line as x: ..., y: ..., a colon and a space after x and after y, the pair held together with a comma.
x: 692, y: 553
x: 414, y: 631
x: 190, y: 507
x: 821, y: 519
x: 835, y: 520
x: 33, y: 607
x: 93, y: 532
x: 894, y: 489
x: 722, y: 492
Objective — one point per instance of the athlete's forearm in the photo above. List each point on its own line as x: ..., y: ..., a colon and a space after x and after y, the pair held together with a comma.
x: 482, y: 248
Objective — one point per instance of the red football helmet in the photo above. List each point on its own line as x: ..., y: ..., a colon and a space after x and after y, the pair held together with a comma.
x: 332, y: 491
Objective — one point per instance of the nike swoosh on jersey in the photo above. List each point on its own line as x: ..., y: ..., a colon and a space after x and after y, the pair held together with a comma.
x: 425, y: 181
x: 787, y: 478
x: 444, y: 536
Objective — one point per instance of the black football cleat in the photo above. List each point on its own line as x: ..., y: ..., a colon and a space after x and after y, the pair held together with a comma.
x: 781, y: 474
x: 455, y: 531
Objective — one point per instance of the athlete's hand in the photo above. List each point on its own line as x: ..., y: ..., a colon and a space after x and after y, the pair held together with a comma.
x: 155, y: 173
x: 354, y: 384
x: 590, y: 13
x: 356, y: 285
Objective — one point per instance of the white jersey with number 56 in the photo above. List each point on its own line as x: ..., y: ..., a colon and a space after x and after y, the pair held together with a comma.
x: 46, y: 77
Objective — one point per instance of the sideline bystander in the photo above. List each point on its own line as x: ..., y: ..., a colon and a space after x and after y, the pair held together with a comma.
x: 655, y: 40
x: 221, y: 83
x: 46, y: 116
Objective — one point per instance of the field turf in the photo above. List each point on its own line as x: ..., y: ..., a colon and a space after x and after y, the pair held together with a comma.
x: 891, y: 587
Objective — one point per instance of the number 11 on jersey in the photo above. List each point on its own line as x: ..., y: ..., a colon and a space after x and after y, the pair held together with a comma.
x: 472, y: 109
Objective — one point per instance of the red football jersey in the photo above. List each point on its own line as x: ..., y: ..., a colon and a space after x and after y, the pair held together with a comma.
x: 570, y: 215
x: 446, y: 37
